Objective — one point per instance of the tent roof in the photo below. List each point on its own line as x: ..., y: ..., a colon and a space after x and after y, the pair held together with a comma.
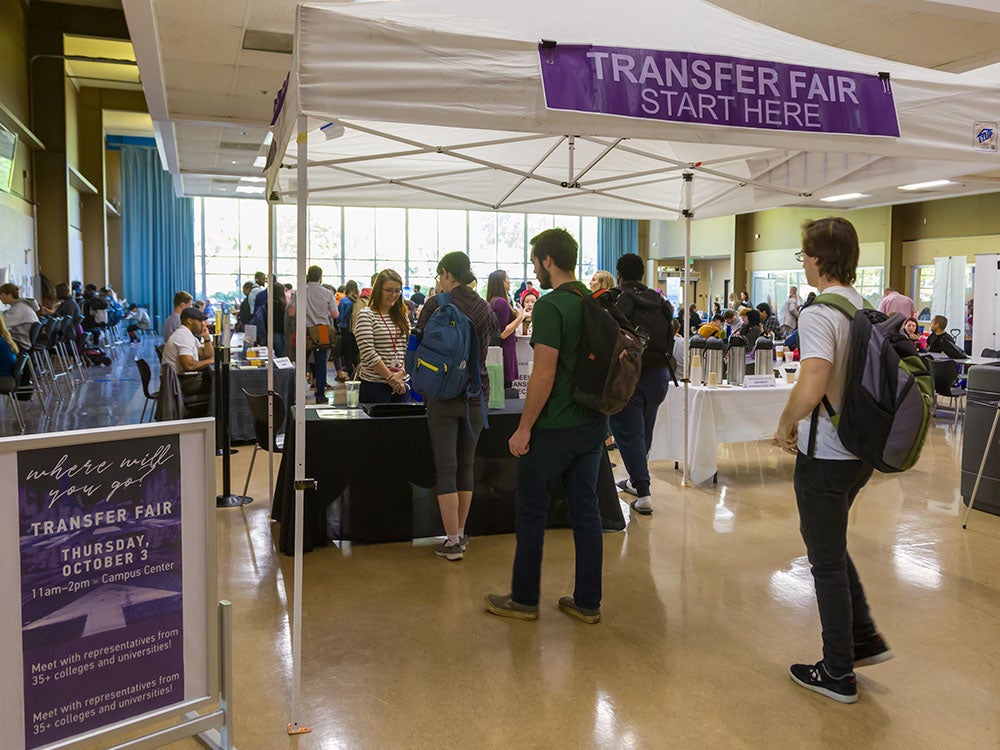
x: 441, y: 106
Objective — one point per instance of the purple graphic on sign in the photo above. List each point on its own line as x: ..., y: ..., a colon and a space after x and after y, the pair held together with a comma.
x: 102, y: 621
x: 715, y: 90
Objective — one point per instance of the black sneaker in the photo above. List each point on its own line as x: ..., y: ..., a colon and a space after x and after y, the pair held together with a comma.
x: 814, y: 677
x: 874, y: 650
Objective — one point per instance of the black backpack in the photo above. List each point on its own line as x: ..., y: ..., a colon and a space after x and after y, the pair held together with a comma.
x: 610, y: 361
x: 653, y: 315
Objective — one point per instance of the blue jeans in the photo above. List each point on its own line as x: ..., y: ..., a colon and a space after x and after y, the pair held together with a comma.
x: 633, y: 426
x: 574, y: 456
x: 319, y: 372
x: 824, y: 492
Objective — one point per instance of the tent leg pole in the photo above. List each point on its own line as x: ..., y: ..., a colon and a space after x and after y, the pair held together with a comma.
x: 688, y: 214
x: 301, y: 198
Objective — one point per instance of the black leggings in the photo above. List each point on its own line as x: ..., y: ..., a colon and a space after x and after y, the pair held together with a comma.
x: 452, y: 442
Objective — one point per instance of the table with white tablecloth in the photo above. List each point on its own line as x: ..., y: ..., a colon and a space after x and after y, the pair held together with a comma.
x: 716, y: 415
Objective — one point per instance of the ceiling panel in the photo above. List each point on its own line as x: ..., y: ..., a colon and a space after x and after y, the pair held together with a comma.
x: 199, y: 43
x: 209, y: 13
x: 917, y: 32
x: 200, y: 77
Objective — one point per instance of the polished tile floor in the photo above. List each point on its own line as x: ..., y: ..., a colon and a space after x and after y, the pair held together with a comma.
x: 706, y: 603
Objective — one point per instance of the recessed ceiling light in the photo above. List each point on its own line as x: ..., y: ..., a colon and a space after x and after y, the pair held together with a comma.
x: 845, y: 197
x: 260, y: 162
x: 249, y: 190
x: 252, y: 179
x: 927, y: 185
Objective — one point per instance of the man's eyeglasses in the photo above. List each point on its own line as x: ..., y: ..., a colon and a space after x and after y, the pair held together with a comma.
x: 799, y: 256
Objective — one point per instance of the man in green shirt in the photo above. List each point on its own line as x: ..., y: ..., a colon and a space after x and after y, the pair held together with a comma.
x: 557, y: 438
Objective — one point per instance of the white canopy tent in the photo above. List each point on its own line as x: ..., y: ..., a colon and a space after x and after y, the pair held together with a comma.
x: 433, y: 104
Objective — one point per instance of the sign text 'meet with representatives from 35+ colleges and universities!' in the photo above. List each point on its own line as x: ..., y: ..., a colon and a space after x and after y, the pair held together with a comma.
x: 101, y: 585
x: 705, y: 89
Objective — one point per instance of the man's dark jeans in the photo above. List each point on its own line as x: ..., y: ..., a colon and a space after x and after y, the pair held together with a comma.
x: 824, y: 492
x: 574, y: 455
x: 319, y: 372
x: 633, y: 426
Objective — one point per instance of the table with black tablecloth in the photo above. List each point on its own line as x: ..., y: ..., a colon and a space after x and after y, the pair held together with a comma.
x: 381, y: 473
x: 253, y: 380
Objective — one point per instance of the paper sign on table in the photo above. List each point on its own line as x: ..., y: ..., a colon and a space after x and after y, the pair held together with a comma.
x: 759, y: 381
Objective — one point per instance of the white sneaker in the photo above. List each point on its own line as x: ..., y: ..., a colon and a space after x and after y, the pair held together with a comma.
x: 626, y: 486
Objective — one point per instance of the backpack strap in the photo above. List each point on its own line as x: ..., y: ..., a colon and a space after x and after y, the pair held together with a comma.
x: 475, y: 387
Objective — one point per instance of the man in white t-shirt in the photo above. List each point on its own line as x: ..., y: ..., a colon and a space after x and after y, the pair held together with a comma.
x: 827, y: 476
x: 189, y: 350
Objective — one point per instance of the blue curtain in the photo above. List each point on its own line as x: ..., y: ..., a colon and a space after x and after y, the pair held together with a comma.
x: 615, y: 237
x: 157, y: 234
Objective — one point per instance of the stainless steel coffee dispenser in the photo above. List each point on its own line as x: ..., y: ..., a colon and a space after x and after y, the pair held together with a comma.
x: 763, y: 360
x: 736, y: 360
x: 713, y: 361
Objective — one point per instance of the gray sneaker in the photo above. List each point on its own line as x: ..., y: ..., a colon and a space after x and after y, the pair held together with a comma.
x: 449, y: 551
x: 504, y: 606
x: 463, y: 542
x: 568, y: 605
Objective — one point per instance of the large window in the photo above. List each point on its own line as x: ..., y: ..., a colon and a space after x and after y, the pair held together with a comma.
x: 922, y: 284
x: 354, y: 243
x: 772, y: 286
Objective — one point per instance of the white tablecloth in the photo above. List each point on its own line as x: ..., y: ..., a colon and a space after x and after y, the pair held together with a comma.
x: 716, y: 415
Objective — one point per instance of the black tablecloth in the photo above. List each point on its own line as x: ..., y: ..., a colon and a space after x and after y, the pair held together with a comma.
x: 253, y: 380
x: 382, y: 472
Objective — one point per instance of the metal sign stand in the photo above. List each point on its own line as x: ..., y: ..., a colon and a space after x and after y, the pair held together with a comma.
x: 215, y: 729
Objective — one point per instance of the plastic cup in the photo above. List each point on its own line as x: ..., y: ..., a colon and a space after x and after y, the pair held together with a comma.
x: 353, y: 393
x: 789, y: 356
x: 713, y: 379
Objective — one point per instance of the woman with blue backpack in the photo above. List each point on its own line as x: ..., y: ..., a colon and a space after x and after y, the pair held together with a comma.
x: 455, y: 423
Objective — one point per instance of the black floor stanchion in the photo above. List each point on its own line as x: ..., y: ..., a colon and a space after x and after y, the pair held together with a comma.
x: 227, y: 499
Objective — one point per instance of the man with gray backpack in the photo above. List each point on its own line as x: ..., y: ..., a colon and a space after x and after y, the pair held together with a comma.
x: 861, y: 402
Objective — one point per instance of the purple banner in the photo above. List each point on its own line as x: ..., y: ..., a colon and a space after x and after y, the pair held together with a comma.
x: 715, y: 90
x: 101, y: 587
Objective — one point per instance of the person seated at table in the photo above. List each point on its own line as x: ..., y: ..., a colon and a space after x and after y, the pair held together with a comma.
x: 768, y: 321
x: 715, y: 327
x: 182, y: 300
x: 139, y: 322
x: 678, y: 346
x: 912, y: 330
x: 730, y: 322
x: 940, y: 341
x: 20, y: 315
x: 381, y: 330
x: 454, y: 424
x: 190, y: 350
x: 751, y: 328
x: 8, y: 358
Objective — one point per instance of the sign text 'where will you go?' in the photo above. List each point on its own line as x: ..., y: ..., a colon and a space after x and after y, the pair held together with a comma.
x: 716, y: 90
x: 101, y: 584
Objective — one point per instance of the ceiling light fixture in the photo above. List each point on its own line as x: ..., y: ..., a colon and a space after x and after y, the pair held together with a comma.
x: 260, y: 162
x: 249, y: 190
x: 844, y: 197
x: 927, y: 185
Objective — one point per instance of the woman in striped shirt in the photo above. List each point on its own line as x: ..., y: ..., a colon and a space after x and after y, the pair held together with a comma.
x: 381, y: 330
